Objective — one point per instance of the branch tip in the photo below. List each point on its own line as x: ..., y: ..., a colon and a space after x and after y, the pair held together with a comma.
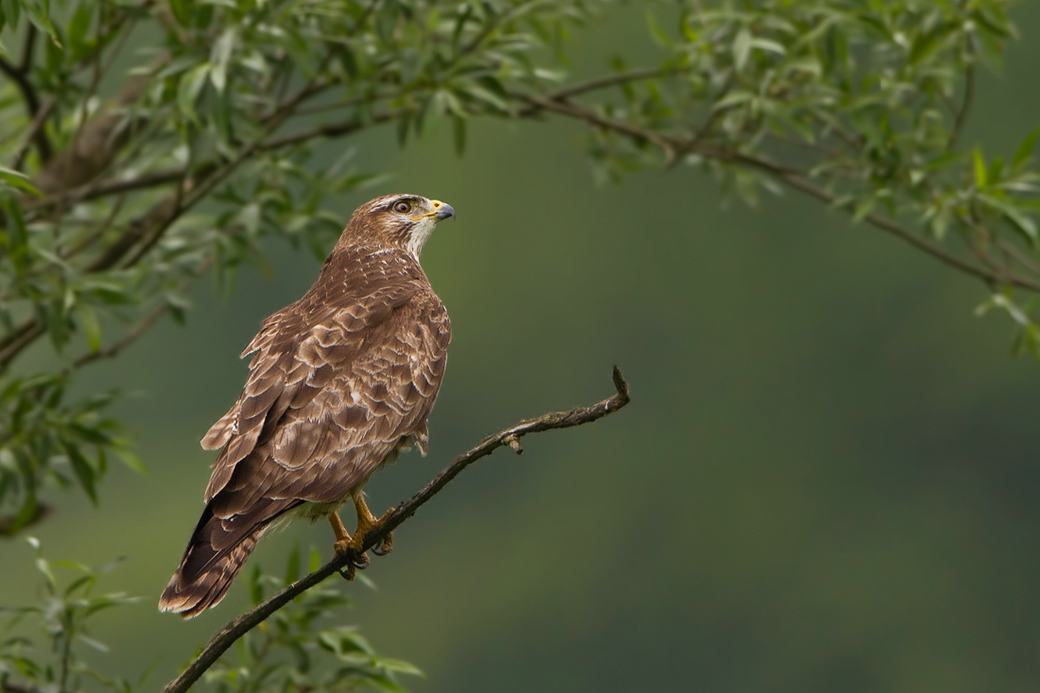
x: 621, y: 385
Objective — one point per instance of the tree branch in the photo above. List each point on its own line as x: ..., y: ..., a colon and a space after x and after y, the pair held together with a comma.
x: 792, y: 177
x: 32, y: 103
x: 609, y: 81
x: 508, y: 437
x: 592, y: 118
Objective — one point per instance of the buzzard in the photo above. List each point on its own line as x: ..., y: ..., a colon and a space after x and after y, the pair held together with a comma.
x: 340, y: 382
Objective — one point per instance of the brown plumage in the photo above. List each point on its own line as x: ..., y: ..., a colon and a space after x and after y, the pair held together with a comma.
x: 339, y: 382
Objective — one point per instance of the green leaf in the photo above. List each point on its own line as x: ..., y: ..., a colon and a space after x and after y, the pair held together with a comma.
x: 1025, y: 149
x: 189, y: 88
x: 1019, y: 219
x: 400, y: 666
x: 91, y: 326
x: 385, y: 684
x: 39, y: 16
x: 78, y: 26
x: 980, y: 169
x: 131, y: 460
x: 83, y: 470
x: 220, y: 56
x: 18, y: 180
x: 256, y: 588
x: 292, y: 567
x: 315, y: 560
x: 742, y: 48
x: 458, y: 131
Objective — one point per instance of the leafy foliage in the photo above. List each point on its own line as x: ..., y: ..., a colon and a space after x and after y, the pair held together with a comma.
x: 63, y: 614
x: 288, y: 653
x: 50, y: 439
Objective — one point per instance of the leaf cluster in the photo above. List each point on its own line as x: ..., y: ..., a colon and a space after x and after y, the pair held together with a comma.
x: 291, y: 651
x: 62, y: 616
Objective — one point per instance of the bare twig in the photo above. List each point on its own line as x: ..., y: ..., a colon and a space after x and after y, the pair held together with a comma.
x: 249, y: 620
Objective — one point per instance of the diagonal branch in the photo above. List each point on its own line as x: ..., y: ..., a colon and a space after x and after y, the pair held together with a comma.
x: 794, y: 178
x: 508, y: 438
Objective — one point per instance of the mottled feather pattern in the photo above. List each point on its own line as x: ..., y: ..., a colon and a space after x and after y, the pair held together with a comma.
x: 338, y: 382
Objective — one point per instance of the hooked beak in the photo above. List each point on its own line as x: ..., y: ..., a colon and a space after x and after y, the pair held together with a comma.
x: 442, y: 210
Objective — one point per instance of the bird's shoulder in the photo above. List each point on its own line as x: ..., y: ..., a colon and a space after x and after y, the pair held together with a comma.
x: 359, y: 288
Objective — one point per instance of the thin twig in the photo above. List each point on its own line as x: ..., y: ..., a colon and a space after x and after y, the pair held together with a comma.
x: 962, y: 113
x: 613, y: 80
x: 66, y: 651
x: 32, y: 134
x: 130, y: 337
x: 593, y: 118
x: 328, y: 130
x: 95, y: 234
x: 1014, y: 251
x: 249, y: 620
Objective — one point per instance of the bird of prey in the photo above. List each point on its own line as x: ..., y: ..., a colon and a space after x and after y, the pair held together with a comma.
x: 340, y: 382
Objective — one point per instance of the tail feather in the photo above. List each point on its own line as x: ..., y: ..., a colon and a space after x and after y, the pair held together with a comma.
x: 217, y: 550
x: 190, y: 598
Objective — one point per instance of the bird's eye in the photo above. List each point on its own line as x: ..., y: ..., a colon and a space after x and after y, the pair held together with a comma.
x: 403, y: 207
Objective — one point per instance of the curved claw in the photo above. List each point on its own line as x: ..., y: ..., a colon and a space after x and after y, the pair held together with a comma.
x: 384, y: 547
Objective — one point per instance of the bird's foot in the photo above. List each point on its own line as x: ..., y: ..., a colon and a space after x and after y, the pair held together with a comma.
x: 345, y: 546
x: 358, y: 560
x: 367, y: 523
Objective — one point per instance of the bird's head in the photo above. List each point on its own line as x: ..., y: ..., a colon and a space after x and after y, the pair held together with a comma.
x: 404, y: 221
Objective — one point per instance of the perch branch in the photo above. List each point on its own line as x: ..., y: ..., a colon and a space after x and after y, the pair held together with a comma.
x: 249, y: 620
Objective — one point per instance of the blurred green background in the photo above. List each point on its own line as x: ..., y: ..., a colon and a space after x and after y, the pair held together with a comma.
x: 827, y: 479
